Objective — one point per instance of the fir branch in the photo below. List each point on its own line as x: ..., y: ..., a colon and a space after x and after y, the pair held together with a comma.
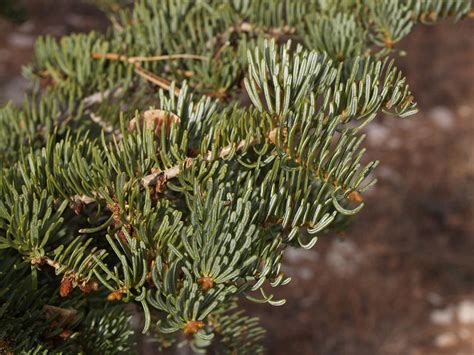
x: 189, y: 203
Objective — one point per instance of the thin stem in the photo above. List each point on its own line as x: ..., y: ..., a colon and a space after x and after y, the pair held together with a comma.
x: 155, y: 79
x: 156, y: 58
x: 167, y: 57
x: 174, y: 171
x: 51, y: 262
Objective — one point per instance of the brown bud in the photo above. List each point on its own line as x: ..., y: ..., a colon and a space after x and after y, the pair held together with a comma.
x: 65, y: 333
x: 192, y: 326
x: 47, y: 81
x: 77, y: 207
x: 121, y: 235
x: 116, y: 212
x: 186, y: 73
x: 246, y: 27
x: 66, y: 286
x: 114, y: 296
x: 155, y: 119
x: 344, y: 113
x: 36, y: 261
x: 188, y: 163
x: 206, y: 282
x: 388, y: 42
x: 278, y: 134
x: 160, y: 185
x: 87, y: 287
x: 355, y: 196
x: 4, y: 347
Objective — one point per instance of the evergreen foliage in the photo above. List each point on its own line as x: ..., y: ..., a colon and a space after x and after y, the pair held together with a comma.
x: 171, y: 161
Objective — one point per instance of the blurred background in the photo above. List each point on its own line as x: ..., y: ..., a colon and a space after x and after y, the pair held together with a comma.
x: 401, y: 279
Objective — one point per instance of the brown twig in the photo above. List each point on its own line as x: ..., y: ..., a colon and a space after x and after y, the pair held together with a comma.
x: 155, y: 79
x: 137, y: 59
x: 174, y: 171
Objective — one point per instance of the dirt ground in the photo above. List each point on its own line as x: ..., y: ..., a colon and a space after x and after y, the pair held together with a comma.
x: 401, y: 279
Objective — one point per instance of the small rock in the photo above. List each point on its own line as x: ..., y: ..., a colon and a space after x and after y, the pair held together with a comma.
x: 446, y: 340
x: 294, y: 256
x: 305, y: 273
x: 344, y: 257
x: 55, y: 30
x: 377, y: 134
x: 21, y: 40
x: 4, y: 54
x: 394, y: 143
x: 434, y: 298
x: 76, y: 20
x: 27, y: 27
x: 307, y: 302
x: 466, y: 312
x: 465, y: 111
x: 442, y: 117
x: 389, y: 174
x: 442, y: 316
x: 14, y: 90
x: 464, y: 334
